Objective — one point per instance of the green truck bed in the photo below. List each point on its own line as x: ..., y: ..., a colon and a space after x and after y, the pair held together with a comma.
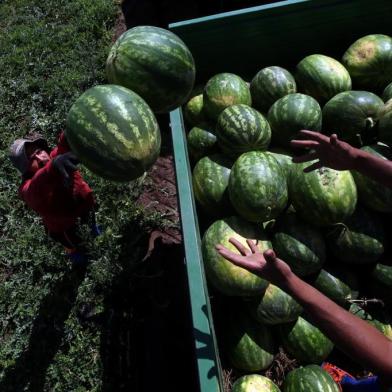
x: 243, y: 42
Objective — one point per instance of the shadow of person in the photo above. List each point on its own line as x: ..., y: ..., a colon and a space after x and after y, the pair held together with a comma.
x: 206, y: 348
x: 46, y: 335
x: 146, y: 342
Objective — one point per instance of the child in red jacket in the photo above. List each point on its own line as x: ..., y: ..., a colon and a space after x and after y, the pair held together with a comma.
x: 54, y: 188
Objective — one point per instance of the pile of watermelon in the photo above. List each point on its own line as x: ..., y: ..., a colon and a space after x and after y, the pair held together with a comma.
x: 330, y: 226
x: 112, y: 128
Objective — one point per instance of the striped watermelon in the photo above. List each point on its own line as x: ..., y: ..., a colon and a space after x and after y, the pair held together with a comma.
x: 221, y: 273
x: 257, y: 187
x: 324, y: 196
x: 352, y: 115
x: 299, y: 245
x: 113, y: 132
x: 201, y: 141
x: 369, y: 61
x: 322, y: 77
x: 387, y: 93
x: 371, y: 193
x: 292, y: 113
x: 284, y: 159
x: 275, y: 307
x: 224, y: 90
x: 381, y: 323
x: 240, y: 129
x: 270, y: 84
x: 333, y: 287
x: 385, y: 124
x: 250, y: 345
x: 311, y: 378
x: 381, y: 282
x: 154, y: 63
x: 193, y: 111
x: 254, y: 383
x: 304, y: 341
x: 210, y: 181
x: 359, y: 240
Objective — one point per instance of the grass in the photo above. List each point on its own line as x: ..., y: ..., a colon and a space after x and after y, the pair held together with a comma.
x: 50, y: 52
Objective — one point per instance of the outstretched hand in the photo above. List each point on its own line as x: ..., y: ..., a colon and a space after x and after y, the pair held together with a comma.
x: 329, y: 150
x: 266, y: 264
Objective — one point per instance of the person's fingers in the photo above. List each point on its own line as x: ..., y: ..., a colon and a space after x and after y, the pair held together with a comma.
x: 241, y: 248
x: 269, y: 255
x: 314, y: 166
x: 303, y: 143
x: 311, y: 135
x: 334, y: 139
x: 252, y: 245
x: 235, y: 258
x: 73, y: 158
x: 69, y: 166
x: 305, y: 158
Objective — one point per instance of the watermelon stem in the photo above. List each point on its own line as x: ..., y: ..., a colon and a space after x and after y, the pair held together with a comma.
x: 369, y: 123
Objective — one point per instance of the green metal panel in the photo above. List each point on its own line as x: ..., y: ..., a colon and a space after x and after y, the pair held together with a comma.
x: 209, y: 367
x: 281, y: 33
x: 243, y: 42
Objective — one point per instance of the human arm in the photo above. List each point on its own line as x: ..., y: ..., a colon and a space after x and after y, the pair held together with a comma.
x: 62, y: 146
x: 339, y: 155
x: 357, y: 338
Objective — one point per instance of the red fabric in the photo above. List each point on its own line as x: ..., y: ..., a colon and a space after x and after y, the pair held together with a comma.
x: 46, y: 194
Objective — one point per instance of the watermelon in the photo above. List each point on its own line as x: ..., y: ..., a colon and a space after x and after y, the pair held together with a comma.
x: 300, y: 245
x: 257, y: 187
x: 154, y: 63
x: 352, y: 115
x: 250, y: 345
x: 221, y: 273
x: 201, y: 141
x: 113, y: 132
x: 292, y: 113
x: 322, y: 77
x: 210, y: 181
x: 240, y: 129
x: 381, y: 322
x: 254, y: 383
x: 324, y: 196
x: 270, y: 84
x: 275, y: 307
x: 360, y: 240
x: 284, y: 159
x: 387, y: 93
x: 193, y: 111
x: 311, y: 378
x: 369, y: 62
x: 222, y: 91
x: 371, y: 193
x: 381, y: 282
x: 333, y: 287
x: 385, y: 124
x: 304, y: 341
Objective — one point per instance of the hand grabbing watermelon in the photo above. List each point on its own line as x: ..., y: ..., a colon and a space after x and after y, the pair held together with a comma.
x: 264, y: 264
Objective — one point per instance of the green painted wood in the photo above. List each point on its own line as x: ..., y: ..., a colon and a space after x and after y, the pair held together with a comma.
x: 281, y: 34
x: 207, y: 356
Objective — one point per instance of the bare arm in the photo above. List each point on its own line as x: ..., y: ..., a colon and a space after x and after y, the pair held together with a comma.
x: 339, y: 155
x: 357, y: 338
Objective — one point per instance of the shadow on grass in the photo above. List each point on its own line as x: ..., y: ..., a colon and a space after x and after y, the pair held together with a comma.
x: 146, y: 329
x: 46, y: 335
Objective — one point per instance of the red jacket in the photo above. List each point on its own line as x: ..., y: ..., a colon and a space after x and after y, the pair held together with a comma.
x: 46, y: 194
